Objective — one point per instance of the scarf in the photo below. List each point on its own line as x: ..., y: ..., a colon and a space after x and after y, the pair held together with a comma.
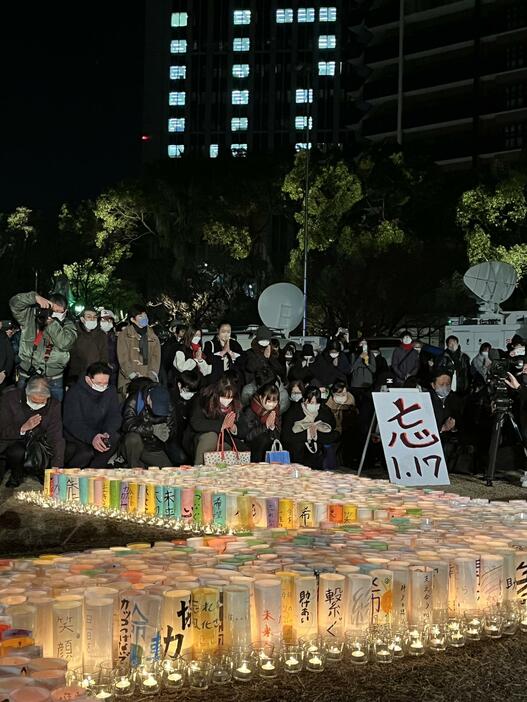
x: 143, y: 342
x: 195, y: 348
x: 335, y: 407
x: 308, y: 421
x: 263, y: 413
x: 407, y: 347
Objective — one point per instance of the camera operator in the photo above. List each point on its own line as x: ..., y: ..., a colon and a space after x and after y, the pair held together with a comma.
x: 518, y: 383
x: 47, y: 335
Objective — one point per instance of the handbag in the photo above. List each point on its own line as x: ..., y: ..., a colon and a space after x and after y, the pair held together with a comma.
x: 38, y: 452
x: 277, y: 454
x: 220, y: 457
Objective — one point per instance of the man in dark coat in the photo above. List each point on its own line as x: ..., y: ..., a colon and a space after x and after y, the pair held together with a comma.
x: 90, y: 347
x: 457, y: 364
x: 92, y: 419
x: 449, y: 410
x: 27, y: 415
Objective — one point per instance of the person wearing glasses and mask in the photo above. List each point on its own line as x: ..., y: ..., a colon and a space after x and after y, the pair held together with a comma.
x: 90, y: 346
x: 30, y: 431
x: 138, y: 350
x: 92, y: 419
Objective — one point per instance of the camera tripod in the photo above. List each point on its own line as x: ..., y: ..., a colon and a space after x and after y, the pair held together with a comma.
x: 498, y: 422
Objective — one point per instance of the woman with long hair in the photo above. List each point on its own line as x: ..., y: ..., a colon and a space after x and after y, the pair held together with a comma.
x: 260, y: 422
x: 190, y: 354
x: 215, y: 410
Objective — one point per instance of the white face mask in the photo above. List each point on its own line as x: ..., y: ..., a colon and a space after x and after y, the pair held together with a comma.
x: 99, y: 388
x: 296, y: 396
x: 334, y: 354
x: 340, y: 399
x: 264, y: 342
x: 485, y: 354
x: 269, y: 406
x: 186, y: 395
x: 35, y: 405
x: 225, y: 401
x: 288, y: 356
x: 324, y: 394
x: 407, y: 339
x: 106, y: 326
x: 90, y: 324
x: 312, y: 409
x: 364, y: 347
x: 61, y: 316
x: 196, y: 339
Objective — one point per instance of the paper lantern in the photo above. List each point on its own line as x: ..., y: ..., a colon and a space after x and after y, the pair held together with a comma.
x: 176, y: 623
x: 98, y: 632
x: 331, y: 604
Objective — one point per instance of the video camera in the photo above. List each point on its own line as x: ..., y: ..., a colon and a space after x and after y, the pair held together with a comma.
x: 499, y: 392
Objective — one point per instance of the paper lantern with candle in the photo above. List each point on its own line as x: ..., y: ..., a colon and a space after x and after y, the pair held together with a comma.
x: 358, y: 591
x: 421, y: 603
x: 466, y: 584
x: 305, y: 613
x: 490, y: 580
x: 268, y: 603
x: 67, y: 630
x: 176, y: 623
x: 236, y: 616
x: 381, y: 595
x: 331, y: 604
x: 98, y: 631
x: 145, y: 625
x: 206, y: 619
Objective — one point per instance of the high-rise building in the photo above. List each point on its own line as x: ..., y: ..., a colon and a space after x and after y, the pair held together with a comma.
x: 448, y: 77
x: 233, y: 76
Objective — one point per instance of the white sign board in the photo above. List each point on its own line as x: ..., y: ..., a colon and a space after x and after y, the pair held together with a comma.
x: 410, y: 438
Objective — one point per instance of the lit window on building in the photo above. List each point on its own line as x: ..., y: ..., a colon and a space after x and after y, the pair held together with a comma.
x: 304, y: 96
x: 175, y: 150
x: 327, y: 41
x: 240, y: 97
x: 179, y: 19
x: 239, y: 124
x: 178, y: 46
x: 306, y: 14
x: 327, y: 14
x: 301, y: 122
x: 240, y: 70
x: 177, y: 72
x: 285, y: 16
x: 176, y: 124
x: 326, y: 68
x: 214, y: 150
x: 241, y: 44
x: 242, y: 17
x: 239, y: 149
x: 176, y: 99
x: 302, y: 146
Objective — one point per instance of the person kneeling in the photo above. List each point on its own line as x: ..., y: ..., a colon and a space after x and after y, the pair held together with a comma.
x: 308, y: 427
x: 92, y: 419
x: 30, y: 430
x: 259, y: 424
x: 146, y: 427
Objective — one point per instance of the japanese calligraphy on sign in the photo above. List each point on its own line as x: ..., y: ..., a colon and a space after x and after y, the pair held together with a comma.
x: 410, y: 438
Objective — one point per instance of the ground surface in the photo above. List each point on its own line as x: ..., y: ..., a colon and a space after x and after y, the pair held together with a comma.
x: 485, y: 671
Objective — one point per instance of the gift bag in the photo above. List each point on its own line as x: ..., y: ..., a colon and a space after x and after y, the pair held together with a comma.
x: 277, y: 454
x: 228, y: 458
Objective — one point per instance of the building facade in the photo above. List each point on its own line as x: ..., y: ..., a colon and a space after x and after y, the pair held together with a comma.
x: 448, y: 77
x: 233, y: 76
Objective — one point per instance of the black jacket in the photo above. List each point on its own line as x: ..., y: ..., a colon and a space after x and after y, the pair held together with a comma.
x: 327, y: 373
x: 452, y: 406
x: 89, y: 347
x: 295, y: 442
x: 14, y: 412
x: 256, y: 361
x: 458, y: 362
x: 201, y: 424
x: 141, y: 420
x: 250, y: 427
x: 7, y: 357
x: 88, y: 412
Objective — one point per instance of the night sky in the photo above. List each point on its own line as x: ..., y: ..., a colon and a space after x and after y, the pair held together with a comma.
x: 70, y: 99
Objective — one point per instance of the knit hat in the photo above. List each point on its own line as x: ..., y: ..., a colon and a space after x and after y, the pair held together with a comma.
x: 106, y: 313
x: 263, y: 333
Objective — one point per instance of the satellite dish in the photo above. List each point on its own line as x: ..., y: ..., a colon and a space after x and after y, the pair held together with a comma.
x: 281, y: 306
x: 492, y: 282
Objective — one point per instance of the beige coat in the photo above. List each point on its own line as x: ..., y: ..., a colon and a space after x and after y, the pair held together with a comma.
x: 130, y: 359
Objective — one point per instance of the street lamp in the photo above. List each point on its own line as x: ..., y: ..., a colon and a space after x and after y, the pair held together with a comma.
x: 306, y: 71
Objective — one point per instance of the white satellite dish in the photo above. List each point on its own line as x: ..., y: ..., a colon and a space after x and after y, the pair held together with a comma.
x: 281, y: 306
x: 491, y: 282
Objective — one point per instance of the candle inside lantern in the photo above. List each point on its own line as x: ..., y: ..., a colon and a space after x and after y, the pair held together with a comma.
x: 123, y: 683
x: 150, y: 681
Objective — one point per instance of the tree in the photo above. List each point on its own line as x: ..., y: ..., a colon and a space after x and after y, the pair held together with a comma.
x: 493, y: 220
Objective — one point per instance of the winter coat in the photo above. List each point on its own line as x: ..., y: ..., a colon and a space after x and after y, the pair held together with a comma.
x: 295, y: 442
x: 326, y: 372
x: 221, y: 364
x: 138, y: 418
x: 90, y: 347
x: 7, y: 357
x: 362, y: 373
x: 249, y: 390
x: 201, y: 424
x: 256, y: 361
x: 405, y: 363
x: 457, y: 364
x: 88, y: 412
x: 343, y: 413
x: 301, y: 371
x: 130, y: 359
x: 250, y: 426
x: 184, y: 361
x: 111, y: 345
x: 56, y: 342
x: 14, y: 412
x: 451, y: 406
x: 480, y: 368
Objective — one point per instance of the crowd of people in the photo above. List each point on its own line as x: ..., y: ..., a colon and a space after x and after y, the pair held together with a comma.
x: 79, y: 393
